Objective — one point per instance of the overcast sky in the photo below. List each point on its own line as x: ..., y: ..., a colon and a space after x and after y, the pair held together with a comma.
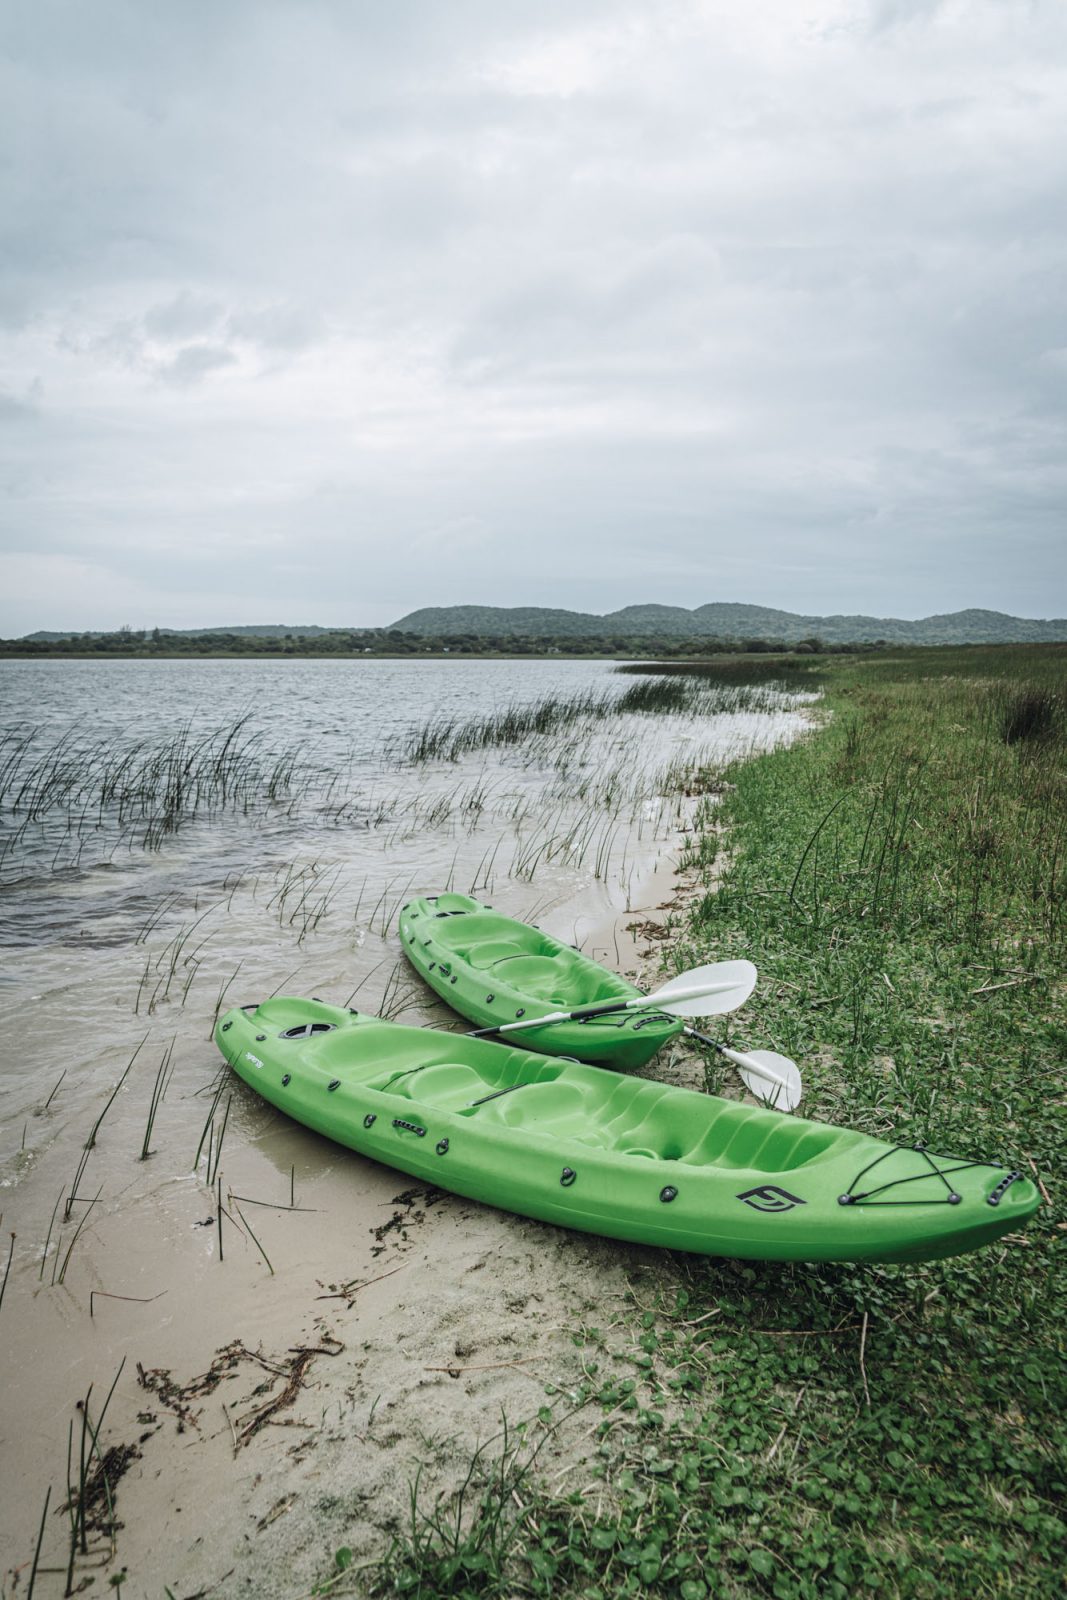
x: 319, y: 312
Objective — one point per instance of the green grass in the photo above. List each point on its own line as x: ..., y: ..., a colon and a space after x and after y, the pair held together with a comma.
x: 788, y: 1431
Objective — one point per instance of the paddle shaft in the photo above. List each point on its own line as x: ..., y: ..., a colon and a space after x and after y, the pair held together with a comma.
x: 605, y: 1008
x: 739, y: 1059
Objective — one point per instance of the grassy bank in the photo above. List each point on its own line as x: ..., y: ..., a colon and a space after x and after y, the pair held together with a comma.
x: 788, y: 1431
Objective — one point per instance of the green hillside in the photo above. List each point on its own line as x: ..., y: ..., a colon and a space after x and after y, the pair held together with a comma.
x: 726, y: 620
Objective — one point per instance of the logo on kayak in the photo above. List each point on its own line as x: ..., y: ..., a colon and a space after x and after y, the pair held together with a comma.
x: 770, y: 1198
x: 256, y: 1062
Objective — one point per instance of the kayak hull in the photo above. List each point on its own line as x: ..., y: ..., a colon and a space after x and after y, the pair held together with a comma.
x: 493, y: 969
x: 595, y: 1150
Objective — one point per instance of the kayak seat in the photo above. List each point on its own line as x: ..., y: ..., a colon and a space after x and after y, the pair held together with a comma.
x: 468, y: 934
x: 449, y: 1084
x: 778, y: 1149
x: 726, y: 1134
x: 494, y: 951
x: 541, y: 1108
x: 542, y: 976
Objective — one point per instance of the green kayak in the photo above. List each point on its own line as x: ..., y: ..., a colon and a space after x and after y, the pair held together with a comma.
x: 597, y: 1150
x: 493, y: 970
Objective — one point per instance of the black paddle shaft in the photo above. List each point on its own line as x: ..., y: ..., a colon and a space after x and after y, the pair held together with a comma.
x: 572, y: 1016
x: 600, y: 1011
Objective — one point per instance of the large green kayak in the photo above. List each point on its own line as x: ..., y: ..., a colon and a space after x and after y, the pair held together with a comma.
x: 493, y: 970
x: 611, y: 1154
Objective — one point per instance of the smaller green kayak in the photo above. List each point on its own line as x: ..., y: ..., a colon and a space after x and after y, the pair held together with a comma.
x: 493, y: 969
x: 598, y: 1150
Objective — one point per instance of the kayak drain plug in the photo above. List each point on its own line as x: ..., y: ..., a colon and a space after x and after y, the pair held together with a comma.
x: 667, y: 1194
x: 567, y: 1177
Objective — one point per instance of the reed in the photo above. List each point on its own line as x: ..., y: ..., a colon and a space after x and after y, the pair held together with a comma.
x: 212, y: 1171
x: 55, y: 1089
x: 7, y: 1269
x: 83, y: 1219
x: 81, y: 1496
x: 48, y: 1237
x: 220, y: 1082
x: 131, y: 1299
x: 73, y: 790
x: 159, y: 1089
x: 37, y: 1550
x: 90, y: 1143
x: 221, y: 996
x: 252, y: 1236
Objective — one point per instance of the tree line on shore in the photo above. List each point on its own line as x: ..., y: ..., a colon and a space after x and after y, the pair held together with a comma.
x: 156, y: 642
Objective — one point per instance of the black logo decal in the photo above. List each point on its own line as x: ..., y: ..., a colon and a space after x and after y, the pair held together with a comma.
x: 770, y: 1198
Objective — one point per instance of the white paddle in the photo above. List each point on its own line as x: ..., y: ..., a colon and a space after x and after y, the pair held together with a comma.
x: 770, y: 1077
x: 702, y: 992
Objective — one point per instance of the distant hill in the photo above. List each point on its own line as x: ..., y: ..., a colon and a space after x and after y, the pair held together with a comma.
x: 726, y: 620
x: 254, y: 630
x: 641, y: 625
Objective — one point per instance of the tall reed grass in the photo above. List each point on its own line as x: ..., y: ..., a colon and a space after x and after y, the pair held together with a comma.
x: 447, y: 738
x: 63, y: 794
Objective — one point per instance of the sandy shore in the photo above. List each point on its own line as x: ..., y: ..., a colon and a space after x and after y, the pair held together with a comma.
x: 265, y: 1415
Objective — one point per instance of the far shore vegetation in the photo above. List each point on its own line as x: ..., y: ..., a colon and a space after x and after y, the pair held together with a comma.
x: 159, y: 644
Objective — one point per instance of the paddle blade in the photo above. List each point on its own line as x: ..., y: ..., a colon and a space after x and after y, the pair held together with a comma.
x: 707, y: 991
x: 772, y: 1078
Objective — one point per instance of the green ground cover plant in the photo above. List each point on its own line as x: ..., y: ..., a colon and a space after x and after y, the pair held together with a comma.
x: 789, y: 1432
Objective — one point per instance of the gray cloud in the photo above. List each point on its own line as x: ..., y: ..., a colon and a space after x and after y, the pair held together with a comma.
x: 575, y: 303
x: 193, y: 362
x: 182, y: 317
